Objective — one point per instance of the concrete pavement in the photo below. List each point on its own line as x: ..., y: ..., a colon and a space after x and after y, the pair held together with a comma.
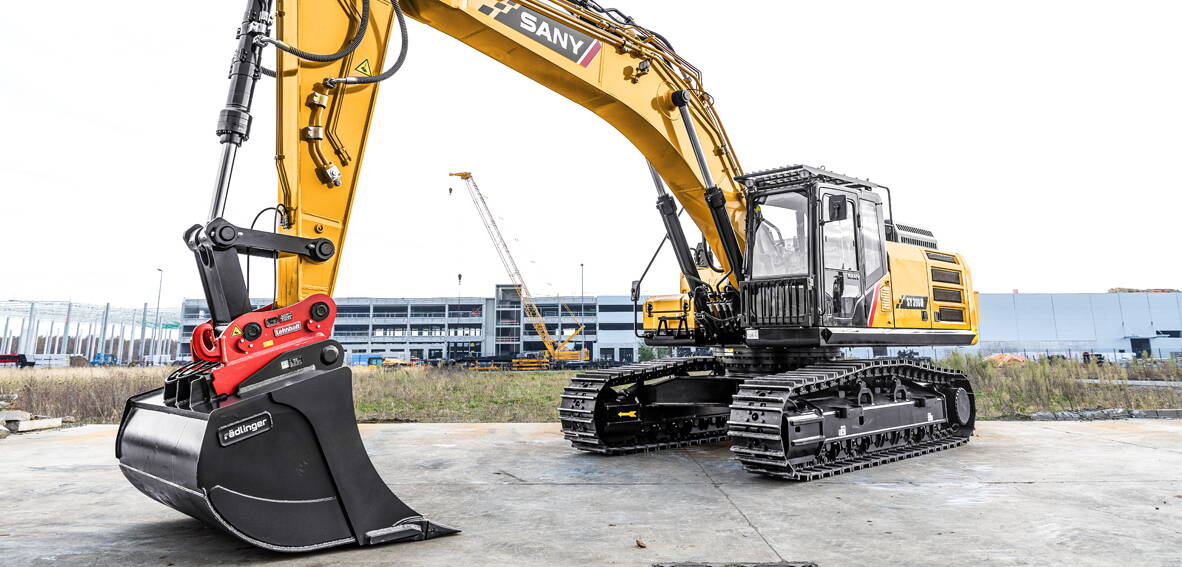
x: 1021, y: 493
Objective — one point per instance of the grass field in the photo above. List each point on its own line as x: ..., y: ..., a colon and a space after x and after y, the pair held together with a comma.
x: 1053, y: 385
x: 96, y: 395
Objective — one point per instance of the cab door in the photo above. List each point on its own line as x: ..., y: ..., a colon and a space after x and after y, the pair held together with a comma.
x: 841, y: 271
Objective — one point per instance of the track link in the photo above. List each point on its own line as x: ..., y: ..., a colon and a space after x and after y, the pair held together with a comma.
x: 582, y: 408
x: 765, y: 405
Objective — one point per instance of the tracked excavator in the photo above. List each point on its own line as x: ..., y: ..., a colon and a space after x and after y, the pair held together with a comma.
x: 257, y: 435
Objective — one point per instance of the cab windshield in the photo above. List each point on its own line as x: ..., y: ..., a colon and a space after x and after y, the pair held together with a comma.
x: 781, y: 243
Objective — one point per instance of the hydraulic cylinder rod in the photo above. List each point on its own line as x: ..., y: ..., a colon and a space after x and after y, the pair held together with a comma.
x: 234, y: 120
x: 676, y: 234
x: 715, y: 198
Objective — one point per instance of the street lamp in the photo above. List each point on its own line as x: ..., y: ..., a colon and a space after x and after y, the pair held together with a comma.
x: 583, y: 309
x: 156, y: 328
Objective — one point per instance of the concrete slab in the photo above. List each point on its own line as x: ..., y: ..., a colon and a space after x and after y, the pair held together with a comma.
x: 36, y: 424
x: 14, y: 415
x: 1046, y: 493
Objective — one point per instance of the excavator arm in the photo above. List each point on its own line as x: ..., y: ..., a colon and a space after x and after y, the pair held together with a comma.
x: 624, y: 73
x: 257, y: 435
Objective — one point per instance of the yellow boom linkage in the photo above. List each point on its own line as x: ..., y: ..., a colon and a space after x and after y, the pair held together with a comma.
x: 619, y: 72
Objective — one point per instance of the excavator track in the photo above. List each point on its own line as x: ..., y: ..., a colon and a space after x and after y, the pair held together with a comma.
x: 823, y: 419
x: 784, y: 425
x: 591, y: 396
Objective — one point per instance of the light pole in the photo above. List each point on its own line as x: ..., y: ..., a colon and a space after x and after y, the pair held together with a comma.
x: 156, y: 328
x: 451, y: 348
x: 583, y: 310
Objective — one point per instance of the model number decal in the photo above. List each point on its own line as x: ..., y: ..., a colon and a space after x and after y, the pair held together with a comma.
x: 571, y: 43
x: 244, y: 429
x: 912, y: 302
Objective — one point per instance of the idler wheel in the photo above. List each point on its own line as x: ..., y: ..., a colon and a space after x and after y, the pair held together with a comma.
x: 960, y: 406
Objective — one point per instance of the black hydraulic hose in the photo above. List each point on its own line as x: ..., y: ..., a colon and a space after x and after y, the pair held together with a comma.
x: 319, y: 57
x: 388, y: 72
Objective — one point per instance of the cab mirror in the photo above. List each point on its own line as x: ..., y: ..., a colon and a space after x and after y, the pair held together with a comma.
x: 839, y: 208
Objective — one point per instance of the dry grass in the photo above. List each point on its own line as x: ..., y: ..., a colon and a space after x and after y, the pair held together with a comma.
x: 453, y: 395
x: 96, y: 395
x: 1053, y: 385
x: 92, y: 395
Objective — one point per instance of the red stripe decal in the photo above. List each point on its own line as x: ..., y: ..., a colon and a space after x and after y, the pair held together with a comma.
x: 874, y: 304
x: 591, y: 53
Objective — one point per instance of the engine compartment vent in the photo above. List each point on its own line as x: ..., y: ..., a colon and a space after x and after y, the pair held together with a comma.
x: 911, y: 235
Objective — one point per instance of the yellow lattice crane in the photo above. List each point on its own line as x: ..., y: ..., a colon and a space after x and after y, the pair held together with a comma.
x: 555, y: 351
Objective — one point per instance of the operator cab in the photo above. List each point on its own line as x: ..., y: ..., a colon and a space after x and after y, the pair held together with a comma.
x: 818, y: 274
x: 805, y: 221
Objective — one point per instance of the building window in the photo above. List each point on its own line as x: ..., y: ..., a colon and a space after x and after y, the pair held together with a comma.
x: 627, y: 355
x: 616, y: 326
x: 618, y: 308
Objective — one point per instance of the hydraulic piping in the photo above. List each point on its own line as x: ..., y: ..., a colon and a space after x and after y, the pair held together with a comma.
x: 323, y: 57
x: 333, y: 82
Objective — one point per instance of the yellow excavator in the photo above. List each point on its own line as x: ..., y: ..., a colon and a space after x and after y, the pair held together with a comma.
x: 257, y: 436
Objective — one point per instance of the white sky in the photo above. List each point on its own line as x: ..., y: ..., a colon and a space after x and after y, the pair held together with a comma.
x: 1041, y: 139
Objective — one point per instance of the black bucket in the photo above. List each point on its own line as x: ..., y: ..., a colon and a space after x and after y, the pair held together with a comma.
x: 283, y: 469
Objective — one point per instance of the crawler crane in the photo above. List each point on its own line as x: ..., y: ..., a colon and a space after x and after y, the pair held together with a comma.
x: 555, y: 351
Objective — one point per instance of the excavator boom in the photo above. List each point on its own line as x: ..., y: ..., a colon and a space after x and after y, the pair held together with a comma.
x: 622, y: 72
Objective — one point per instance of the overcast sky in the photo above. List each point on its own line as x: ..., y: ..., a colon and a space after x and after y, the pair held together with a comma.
x: 1040, y: 139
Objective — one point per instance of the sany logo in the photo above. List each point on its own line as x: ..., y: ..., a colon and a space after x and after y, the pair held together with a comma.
x: 530, y: 23
x: 572, y: 44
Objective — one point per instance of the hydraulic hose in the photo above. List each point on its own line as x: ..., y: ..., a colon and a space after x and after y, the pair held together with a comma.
x: 388, y: 72
x: 319, y: 57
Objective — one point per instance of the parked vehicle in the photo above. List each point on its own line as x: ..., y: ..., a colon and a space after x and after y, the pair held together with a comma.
x: 17, y: 360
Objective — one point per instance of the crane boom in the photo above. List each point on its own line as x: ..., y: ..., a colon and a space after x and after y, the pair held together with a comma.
x: 528, y: 305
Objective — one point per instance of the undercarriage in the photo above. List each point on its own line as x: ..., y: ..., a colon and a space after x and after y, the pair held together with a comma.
x: 814, y: 416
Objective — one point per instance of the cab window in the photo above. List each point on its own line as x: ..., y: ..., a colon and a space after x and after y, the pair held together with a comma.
x: 781, y: 243
x: 871, y: 239
x: 838, y: 236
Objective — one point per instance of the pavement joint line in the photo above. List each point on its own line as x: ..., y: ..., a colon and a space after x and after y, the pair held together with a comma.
x: 814, y: 483
x: 1048, y: 427
x: 718, y: 487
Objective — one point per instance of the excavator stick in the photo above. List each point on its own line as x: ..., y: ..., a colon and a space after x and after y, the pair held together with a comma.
x: 279, y: 463
x: 257, y: 436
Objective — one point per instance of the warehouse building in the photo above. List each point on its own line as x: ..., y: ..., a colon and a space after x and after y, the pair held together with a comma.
x: 465, y: 327
x: 1117, y: 325
x: 1120, y: 325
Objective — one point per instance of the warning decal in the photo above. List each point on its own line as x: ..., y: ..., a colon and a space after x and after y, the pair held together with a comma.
x: 237, y: 332
x: 364, y: 68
